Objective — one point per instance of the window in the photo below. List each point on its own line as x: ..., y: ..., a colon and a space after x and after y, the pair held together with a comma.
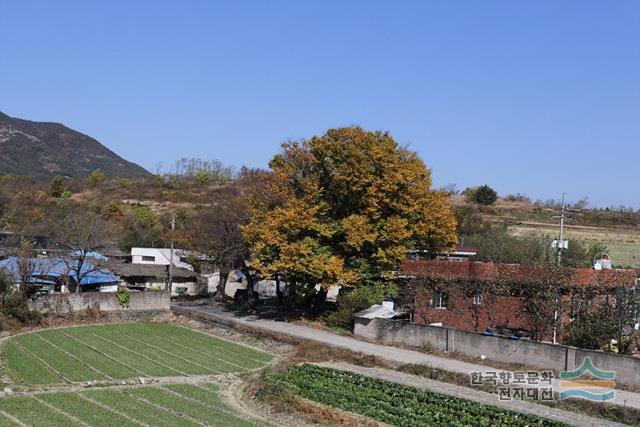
x: 183, y: 259
x: 440, y: 300
x: 149, y: 258
x: 477, y: 299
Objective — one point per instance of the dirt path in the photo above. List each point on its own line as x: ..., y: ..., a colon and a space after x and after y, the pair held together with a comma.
x: 571, y: 418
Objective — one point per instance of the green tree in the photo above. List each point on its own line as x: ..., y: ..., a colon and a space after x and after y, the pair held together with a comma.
x: 344, y: 208
x: 57, y: 186
x: 484, y: 195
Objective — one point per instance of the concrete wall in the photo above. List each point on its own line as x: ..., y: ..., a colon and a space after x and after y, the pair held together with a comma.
x: 529, y: 353
x: 107, y: 301
x: 193, y: 288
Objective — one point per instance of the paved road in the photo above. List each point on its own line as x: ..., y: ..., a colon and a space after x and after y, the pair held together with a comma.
x: 388, y: 353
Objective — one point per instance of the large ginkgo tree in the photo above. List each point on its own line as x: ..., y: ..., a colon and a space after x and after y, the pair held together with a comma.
x: 344, y: 208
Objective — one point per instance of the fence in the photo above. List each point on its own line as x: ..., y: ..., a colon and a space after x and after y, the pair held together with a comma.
x: 525, y: 352
x: 107, y: 301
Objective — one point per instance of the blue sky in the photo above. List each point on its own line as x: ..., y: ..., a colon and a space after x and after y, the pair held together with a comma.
x: 533, y: 97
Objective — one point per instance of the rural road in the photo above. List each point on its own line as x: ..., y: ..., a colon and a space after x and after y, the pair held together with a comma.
x: 394, y: 355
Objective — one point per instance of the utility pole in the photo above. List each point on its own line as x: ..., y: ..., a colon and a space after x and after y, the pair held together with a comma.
x: 561, y: 242
x: 173, y: 228
x: 559, y: 245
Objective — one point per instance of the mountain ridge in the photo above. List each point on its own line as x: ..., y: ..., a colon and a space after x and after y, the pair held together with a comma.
x: 42, y: 150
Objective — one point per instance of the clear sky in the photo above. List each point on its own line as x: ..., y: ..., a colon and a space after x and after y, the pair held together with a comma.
x: 536, y: 97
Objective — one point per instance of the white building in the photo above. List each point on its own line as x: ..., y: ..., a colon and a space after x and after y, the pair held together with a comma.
x: 160, y: 256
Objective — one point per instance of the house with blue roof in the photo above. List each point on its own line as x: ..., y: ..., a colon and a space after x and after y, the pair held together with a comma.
x: 49, y: 275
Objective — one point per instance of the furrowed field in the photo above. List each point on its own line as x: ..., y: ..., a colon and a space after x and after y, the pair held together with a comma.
x: 393, y: 403
x: 122, y: 351
x: 107, y: 355
x: 159, y: 374
x: 167, y: 405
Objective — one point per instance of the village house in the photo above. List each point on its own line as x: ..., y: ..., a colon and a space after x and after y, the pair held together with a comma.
x: 448, y: 306
x: 49, y: 275
x: 144, y: 277
x: 160, y: 256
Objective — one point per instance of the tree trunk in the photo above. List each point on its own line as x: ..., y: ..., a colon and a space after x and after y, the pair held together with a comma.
x: 278, y: 290
x: 290, y: 301
x: 222, y: 284
x: 252, y: 298
x: 317, y: 301
x: 78, y: 279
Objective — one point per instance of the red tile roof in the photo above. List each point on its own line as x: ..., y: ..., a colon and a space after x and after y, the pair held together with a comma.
x: 515, y: 272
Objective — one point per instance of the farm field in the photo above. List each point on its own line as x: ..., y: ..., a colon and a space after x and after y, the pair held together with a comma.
x: 180, y: 405
x: 623, y: 244
x: 122, y: 351
x: 393, y: 403
x: 106, y: 355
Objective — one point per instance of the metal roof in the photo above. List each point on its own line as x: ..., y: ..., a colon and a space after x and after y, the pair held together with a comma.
x: 46, y: 268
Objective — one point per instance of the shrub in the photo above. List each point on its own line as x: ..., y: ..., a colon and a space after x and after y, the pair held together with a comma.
x: 203, y: 177
x: 123, y: 298
x: 96, y: 177
x: 57, y: 186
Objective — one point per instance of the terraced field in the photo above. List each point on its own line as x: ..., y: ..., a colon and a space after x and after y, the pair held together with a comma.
x: 122, y: 351
x: 108, y: 356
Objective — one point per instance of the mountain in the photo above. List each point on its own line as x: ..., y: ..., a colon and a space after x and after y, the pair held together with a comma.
x: 42, y: 150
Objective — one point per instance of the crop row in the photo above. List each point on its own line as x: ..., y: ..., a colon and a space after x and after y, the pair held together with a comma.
x: 122, y: 351
x: 393, y: 403
x: 180, y: 405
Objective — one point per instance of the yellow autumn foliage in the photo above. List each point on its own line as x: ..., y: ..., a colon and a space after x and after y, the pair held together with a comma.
x: 344, y: 208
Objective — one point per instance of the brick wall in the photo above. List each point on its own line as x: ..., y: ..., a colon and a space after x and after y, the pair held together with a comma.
x: 506, y: 312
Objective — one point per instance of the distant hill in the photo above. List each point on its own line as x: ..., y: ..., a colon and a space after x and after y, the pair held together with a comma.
x: 42, y: 150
